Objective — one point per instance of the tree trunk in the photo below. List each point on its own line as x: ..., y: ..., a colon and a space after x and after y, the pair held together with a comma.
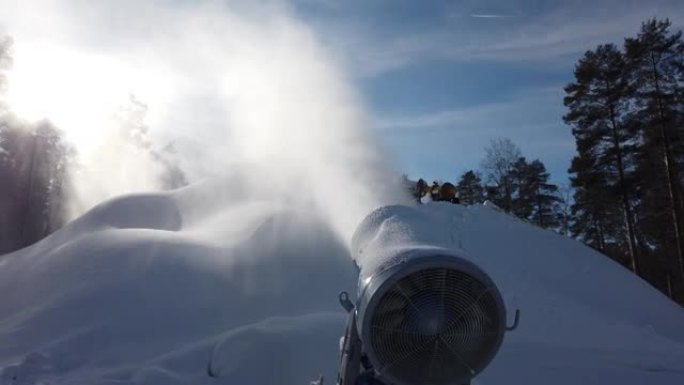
x: 668, y: 280
x: 673, y: 190
x: 539, y: 209
x: 626, y: 209
x: 24, y: 237
x: 599, y: 234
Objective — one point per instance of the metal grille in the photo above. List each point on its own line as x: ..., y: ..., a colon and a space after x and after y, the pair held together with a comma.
x: 436, y: 326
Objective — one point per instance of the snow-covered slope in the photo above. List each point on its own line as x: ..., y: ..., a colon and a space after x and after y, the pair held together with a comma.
x: 147, y: 289
x: 142, y: 289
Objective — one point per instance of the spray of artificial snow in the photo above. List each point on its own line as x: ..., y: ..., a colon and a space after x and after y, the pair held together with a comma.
x: 236, y: 87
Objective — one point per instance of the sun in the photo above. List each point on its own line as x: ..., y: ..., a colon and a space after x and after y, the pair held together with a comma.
x: 78, y: 92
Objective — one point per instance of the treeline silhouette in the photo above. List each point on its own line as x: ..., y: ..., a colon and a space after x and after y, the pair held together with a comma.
x: 510, y: 181
x: 33, y: 174
x: 626, y: 110
x: 33, y: 164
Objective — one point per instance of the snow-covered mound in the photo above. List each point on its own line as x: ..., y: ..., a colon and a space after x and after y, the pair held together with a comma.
x: 147, y: 289
x: 140, y: 291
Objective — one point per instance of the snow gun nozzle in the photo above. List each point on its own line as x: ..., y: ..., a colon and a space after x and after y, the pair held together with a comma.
x: 424, y: 313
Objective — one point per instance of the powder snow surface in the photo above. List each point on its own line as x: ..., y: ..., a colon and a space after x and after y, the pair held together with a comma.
x: 148, y: 289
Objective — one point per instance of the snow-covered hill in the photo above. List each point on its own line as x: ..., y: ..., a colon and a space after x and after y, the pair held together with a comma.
x: 146, y: 289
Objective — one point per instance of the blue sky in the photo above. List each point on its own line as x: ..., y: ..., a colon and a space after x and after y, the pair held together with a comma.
x: 442, y: 78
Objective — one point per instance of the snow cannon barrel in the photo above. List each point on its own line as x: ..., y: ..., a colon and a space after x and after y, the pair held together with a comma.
x: 424, y: 314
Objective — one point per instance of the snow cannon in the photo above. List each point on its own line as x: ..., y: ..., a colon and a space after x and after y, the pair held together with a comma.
x: 423, y: 314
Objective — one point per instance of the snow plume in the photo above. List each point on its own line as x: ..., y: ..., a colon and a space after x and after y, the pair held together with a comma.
x: 235, y: 86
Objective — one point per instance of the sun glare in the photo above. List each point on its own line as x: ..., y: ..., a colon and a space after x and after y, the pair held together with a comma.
x: 80, y: 93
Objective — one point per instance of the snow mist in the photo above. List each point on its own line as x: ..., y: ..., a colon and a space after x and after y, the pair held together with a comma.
x: 236, y: 87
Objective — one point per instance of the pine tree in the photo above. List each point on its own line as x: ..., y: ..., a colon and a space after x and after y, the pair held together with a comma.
x: 656, y: 62
x: 33, y: 168
x: 470, y: 189
x: 535, y: 199
x: 500, y: 158
x: 598, y: 103
x: 522, y: 202
x: 596, y: 214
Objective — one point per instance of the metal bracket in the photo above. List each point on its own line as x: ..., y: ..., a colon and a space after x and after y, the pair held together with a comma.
x: 345, y: 302
x: 210, y: 370
x: 516, y: 320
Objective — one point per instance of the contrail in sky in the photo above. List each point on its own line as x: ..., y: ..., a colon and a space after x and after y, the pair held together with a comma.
x: 491, y: 15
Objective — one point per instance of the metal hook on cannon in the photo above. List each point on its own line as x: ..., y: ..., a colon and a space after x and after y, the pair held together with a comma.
x: 516, y: 320
x: 346, y: 302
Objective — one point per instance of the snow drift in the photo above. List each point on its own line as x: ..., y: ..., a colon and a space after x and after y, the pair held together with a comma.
x: 148, y: 288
